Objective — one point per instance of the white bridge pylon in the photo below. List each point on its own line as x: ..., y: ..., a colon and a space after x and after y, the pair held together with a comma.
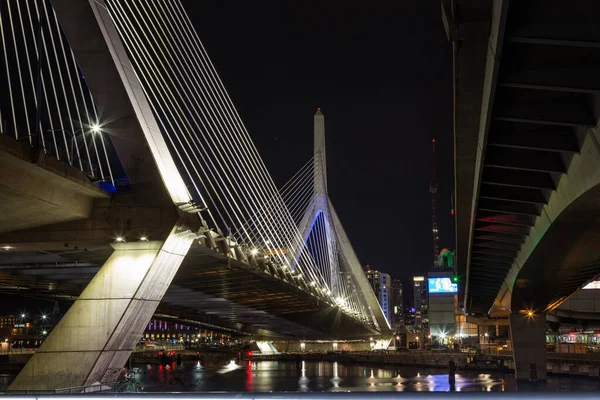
x: 325, y: 240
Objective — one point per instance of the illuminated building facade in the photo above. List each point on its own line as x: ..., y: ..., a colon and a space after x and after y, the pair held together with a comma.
x: 381, y: 284
x: 420, y: 302
x: 164, y: 333
x: 397, y: 304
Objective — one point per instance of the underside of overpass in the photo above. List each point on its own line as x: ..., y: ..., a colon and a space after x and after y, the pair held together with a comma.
x: 527, y: 152
x: 209, y: 288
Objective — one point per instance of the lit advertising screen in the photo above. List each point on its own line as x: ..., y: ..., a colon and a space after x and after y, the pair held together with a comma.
x: 442, y: 285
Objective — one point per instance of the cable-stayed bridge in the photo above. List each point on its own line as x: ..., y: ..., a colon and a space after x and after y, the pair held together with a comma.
x: 129, y: 182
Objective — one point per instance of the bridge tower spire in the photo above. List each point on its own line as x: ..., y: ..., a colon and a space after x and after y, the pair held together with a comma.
x: 320, y: 164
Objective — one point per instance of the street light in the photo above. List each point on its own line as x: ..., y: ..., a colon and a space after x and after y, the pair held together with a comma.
x: 95, y: 128
x: 44, y: 317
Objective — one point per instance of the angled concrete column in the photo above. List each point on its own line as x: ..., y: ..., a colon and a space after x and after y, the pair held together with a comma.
x: 95, y: 337
x: 528, y: 337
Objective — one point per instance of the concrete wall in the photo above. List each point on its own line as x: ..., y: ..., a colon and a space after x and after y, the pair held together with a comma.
x: 586, y: 300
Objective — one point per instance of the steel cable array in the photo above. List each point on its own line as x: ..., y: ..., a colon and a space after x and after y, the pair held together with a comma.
x: 48, y: 102
x: 217, y: 159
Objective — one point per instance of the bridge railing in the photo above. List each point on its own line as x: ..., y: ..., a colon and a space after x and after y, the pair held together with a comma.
x: 96, y: 388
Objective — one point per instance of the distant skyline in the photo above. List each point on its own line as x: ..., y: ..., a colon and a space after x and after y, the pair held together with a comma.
x: 382, y: 75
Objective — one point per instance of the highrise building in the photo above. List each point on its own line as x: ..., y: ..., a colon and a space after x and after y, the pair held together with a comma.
x: 381, y: 284
x: 397, y: 304
x: 420, y: 302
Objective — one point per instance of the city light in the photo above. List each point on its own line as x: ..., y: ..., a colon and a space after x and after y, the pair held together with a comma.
x: 23, y: 315
x: 254, y: 252
x: 144, y: 239
x: 44, y: 316
x: 95, y: 128
x: 530, y: 313
x: 119, y: 239
x: 44, y: 333
x: 7, y: 248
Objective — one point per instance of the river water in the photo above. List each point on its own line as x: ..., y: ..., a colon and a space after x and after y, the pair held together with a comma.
x: 314, y: 376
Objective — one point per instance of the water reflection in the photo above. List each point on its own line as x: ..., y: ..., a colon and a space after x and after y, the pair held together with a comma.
x: 305, y: 376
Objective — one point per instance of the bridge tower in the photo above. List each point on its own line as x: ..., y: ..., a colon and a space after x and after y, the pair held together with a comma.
x: 321, y: 206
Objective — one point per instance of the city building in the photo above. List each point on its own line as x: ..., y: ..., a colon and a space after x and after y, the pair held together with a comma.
x: 381, y: 284
x: 397, y: 304
x: 443, y: 303
x: 420, y: 303
x: 160, y: 332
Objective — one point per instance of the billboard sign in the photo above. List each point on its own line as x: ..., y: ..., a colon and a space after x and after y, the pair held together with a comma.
x: 442, y: 285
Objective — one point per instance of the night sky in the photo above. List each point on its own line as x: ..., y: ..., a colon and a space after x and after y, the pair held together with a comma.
x: 382, y: 75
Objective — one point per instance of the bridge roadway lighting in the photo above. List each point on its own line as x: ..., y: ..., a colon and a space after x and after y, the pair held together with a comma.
x: 7, y: 248
x: 119, y: 239
x: 254, y: 252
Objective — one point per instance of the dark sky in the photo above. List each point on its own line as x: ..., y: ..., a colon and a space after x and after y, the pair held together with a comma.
x: 382, y: 75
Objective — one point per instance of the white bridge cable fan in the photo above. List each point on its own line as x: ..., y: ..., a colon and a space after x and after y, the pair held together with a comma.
x: 217, y: 159
x: 46, y: 101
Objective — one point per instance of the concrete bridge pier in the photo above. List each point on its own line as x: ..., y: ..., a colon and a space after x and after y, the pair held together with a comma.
x: 93, y: 340
x: 528, y: 337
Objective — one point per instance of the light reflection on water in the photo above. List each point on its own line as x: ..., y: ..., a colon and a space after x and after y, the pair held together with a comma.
x: 310, y: 376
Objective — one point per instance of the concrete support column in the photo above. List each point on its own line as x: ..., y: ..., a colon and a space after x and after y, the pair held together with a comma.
x: 528, y: 337
x: 94, y: 339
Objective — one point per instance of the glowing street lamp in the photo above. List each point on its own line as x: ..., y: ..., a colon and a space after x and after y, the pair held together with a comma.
x: 95, y: 128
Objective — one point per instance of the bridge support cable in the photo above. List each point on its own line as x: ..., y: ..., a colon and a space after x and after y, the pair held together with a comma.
x: 48, y: 98
x: 212, y: 149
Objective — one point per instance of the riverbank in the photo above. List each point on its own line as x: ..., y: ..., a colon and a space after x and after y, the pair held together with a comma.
x: 557, y: 364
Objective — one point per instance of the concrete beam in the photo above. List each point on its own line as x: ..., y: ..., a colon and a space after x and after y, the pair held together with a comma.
x: 527, y: 160
x: 472, y: 25
x: 509, y: 207
x: 93, y: 340
x: 523, y: 195
x: 40, y: 190
x: 518, y: 178
x: 499, y: 12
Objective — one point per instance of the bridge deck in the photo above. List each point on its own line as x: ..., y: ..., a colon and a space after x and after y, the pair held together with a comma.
x: 208, y: 287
